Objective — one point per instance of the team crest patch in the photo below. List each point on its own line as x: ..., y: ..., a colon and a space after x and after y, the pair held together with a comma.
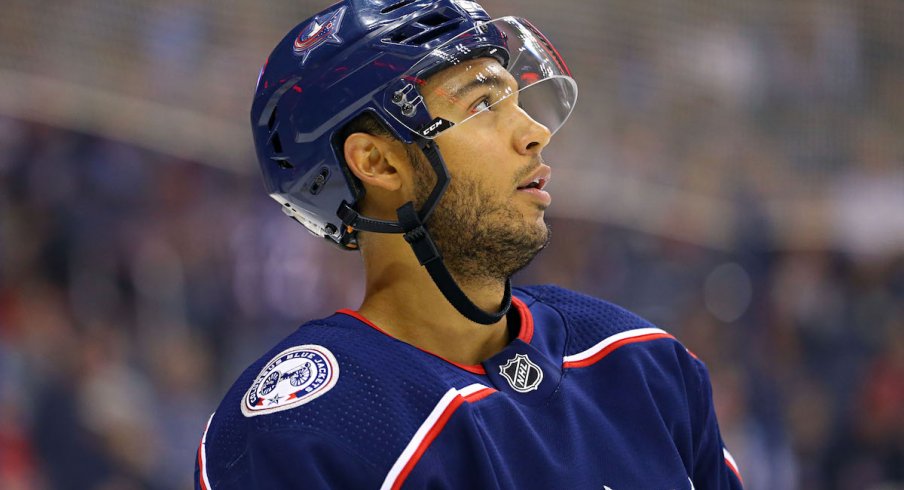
x: 323, y: 29
x: 294, y: 377
x: 521, y: 373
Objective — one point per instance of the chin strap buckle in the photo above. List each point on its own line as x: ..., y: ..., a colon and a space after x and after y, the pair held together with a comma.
x: 416, y: 235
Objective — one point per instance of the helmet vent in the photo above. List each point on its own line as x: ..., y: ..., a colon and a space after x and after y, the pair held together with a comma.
x: 426, y: 28
x: 277, y: 145
x: 272, y: 119
x: 396, y: 6
x: 434, y: 33
x: 320, y: 180
x: 402, y: 35
x: 434, y: 19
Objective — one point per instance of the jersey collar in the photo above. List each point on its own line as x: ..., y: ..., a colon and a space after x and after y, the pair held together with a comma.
x: 525, y: 332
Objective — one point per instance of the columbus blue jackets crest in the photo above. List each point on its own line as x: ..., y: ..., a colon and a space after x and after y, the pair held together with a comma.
x: 321, y: 30
x: 294, y: 377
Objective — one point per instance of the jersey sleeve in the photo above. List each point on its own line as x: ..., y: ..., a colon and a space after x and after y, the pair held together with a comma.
x: 292, y: 459
x: 713, y: 468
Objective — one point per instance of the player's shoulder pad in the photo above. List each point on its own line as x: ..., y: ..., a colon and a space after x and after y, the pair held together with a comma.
x: 590, y: 321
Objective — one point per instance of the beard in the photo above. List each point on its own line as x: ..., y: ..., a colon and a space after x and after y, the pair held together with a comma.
x: 481, y: 236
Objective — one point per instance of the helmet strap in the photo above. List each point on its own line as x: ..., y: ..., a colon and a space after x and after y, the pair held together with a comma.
x: 428, y: 255
x: 412, y: 224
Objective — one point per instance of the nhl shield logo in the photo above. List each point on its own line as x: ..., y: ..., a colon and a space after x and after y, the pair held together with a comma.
x: 294, y: 377
x: 322, y: 30
x: 521, y: 373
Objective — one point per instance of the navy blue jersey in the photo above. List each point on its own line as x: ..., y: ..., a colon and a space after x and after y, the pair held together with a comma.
x: 588, y: 396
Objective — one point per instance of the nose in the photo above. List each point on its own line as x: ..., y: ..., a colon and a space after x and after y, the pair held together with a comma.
x: 531, y: 137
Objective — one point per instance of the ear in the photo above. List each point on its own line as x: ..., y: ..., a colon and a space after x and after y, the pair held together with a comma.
x: 373, y: 160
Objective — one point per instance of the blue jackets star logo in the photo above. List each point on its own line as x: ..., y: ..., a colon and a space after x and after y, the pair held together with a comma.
x: 323, y: 29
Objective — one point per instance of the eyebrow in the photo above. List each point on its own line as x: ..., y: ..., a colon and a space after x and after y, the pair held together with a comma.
x: 475, y: 83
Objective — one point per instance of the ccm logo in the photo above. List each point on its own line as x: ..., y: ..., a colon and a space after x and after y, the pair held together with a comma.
x: 437, y: 125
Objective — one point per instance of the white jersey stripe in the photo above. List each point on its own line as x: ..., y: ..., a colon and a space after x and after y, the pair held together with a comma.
x: 580, y: 356
x: 425, y: 428
x: 731, y: 460
x: 418, y: 438
x: 203, y: 464
x: 471, y: 389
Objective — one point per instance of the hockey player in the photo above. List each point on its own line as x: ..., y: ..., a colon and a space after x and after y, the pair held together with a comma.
x: 413, y: 130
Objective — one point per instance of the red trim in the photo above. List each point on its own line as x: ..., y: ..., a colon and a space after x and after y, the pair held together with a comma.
x: 692, y: 354
x: 201, y: 464
x: 605, y: 352
x: 471, y: 368
x: 434, y: 431
x: 525, y: 332
x: 735, y: 470
x: 360, y: 317
x: 201, y: 469
x: 428, y: 439
x: 479, y: 395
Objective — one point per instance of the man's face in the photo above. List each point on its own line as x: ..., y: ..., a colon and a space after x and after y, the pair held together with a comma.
x: 490, y: 222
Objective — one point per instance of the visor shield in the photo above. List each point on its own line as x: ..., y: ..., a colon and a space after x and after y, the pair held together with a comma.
x: 504, y: 64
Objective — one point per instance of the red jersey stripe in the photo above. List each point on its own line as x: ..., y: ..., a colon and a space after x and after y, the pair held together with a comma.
x: 428, y: 439
x: 202, y: 457
x: 606, y: 346
x: 430, y: 429
x: 729, y: 460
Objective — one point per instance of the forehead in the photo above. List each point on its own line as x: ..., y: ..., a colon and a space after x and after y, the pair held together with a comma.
x: 450, y: 82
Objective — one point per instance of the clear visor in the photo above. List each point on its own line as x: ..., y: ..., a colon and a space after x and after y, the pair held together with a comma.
x: 505, y: 65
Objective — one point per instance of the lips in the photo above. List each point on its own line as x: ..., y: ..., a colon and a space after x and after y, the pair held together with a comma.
x: 538, y: 179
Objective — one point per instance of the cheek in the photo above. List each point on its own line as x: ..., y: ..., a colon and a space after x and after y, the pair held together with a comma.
x: 479, y: 153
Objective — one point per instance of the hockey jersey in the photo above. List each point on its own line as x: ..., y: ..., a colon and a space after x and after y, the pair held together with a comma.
x: 588, y: 396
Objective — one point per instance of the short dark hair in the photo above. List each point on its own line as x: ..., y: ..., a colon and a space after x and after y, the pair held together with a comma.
x: 366, y: 122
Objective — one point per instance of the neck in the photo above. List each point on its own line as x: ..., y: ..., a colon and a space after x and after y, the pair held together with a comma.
x: 402, y: 299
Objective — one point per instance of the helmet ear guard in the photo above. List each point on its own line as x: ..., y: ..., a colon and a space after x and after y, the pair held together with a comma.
x: 361, y: 58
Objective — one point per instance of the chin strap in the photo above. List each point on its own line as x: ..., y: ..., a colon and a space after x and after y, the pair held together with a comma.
x: 411, y: 223
x: 425, y: 250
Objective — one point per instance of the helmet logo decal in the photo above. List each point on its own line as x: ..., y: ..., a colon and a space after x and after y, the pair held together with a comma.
x: 323, y: 29
x: 436, y: 126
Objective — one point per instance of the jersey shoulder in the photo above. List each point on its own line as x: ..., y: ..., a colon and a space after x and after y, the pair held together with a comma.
x: 333, y: 380
x: 590, y: 320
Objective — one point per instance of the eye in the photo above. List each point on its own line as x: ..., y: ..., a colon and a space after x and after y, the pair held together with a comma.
x: 482, y: 105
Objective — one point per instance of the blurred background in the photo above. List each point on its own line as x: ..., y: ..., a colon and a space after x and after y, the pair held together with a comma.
x: 734, y: 172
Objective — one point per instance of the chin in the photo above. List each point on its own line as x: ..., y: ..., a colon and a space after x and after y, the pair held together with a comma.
x: 541, y: 226
x: 541, y: 232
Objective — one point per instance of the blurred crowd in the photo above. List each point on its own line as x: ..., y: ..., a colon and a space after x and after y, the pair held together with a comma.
x: 733, y: 172
x: 132, y: 289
